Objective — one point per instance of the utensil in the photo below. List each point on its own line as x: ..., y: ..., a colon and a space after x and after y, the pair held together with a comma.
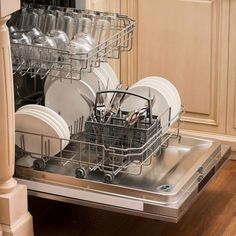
x: 114, y: 107
x: 160, y: 106
x: 132, y: 118
x: 138, y: 115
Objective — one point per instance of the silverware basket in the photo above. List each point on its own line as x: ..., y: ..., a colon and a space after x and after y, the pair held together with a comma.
x: 115, y: 131
x: 116, y: 134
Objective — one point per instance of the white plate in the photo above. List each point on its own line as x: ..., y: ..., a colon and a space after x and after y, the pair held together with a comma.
x: 111, y: 73
x: 108, y: 82
x: 35, y: 123
x: 47, y: 118
x: 64, y: 97
x: 54, y: 75
x: 93, y: 79
x: 167, y: 84
x: 52, y: 115
x: 167, y: 92
x: 160, y: 107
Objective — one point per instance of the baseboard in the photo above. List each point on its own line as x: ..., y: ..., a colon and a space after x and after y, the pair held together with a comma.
x: 226, y: 139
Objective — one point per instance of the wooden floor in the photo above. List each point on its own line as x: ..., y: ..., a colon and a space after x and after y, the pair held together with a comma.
x: 214, y: 214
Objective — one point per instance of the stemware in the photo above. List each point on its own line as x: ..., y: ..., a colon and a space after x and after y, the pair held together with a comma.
x: 61, y: 39
x: 67, y: 25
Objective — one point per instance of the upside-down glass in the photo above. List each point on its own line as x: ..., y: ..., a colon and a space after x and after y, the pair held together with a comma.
x: 34, y: 33
x: 79, y: 50
x: 20, y: 50
x: 44, y: 51
x: 61, y: 39
x: 67, y: 25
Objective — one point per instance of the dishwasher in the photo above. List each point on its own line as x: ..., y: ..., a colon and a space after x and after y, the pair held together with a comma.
x: 149, y: 170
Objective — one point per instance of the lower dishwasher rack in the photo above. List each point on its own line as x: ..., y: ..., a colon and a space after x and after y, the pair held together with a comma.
x: 165, y: 190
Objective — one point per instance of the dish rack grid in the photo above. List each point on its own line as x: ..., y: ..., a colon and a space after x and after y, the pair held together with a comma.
x: 110, y: 148
x: 42, y: 61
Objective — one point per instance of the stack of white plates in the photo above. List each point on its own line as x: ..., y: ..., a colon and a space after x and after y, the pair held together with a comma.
x: 54, y: 75
x: 103, y: 75
x: 109, y: 73
x: 35, y: 121
x: 167, y: 102
x: 65, y: 98
x: 64, y: 95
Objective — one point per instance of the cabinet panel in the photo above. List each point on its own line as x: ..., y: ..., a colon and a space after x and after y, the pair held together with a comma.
x: 231, y: 112
x: 186, y: 42
x: 104, y: 5
x: 129, y: 72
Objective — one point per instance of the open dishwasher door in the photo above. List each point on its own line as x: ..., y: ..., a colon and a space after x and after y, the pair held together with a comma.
x: 152, y: 172
x: 165, y: 189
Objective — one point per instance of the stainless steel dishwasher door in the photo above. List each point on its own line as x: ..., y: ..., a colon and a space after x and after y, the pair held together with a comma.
x: 164, y: 190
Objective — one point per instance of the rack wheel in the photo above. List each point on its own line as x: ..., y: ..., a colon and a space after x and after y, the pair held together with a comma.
x: 39, y: 164
x: 80, y: 172
x: 108, y: 178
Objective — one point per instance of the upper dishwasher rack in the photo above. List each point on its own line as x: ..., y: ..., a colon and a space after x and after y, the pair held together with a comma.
x: 31, y: 59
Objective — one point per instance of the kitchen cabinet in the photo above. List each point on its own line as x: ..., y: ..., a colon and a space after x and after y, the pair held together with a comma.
x: 231, y: 112
x: 186, y: 42
x: 14, y: 216
x: 192, y: 44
